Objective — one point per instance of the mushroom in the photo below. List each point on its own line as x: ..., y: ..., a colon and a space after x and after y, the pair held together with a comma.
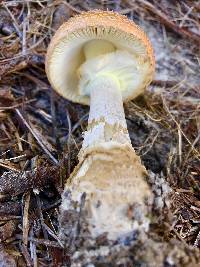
x: 101, y: 58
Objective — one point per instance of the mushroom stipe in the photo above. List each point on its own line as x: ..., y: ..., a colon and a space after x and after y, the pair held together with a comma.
x: 101, y: 58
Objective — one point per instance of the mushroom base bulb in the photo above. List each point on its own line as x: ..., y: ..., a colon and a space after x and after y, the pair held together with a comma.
x: 126, y: 69
x: 116, y: 193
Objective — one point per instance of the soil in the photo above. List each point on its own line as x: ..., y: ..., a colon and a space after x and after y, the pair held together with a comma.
x: 41, y: 135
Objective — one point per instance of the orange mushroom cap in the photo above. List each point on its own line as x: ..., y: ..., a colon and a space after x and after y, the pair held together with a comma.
x: 65, y: 53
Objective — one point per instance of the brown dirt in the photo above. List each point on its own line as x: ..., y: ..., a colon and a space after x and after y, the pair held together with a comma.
x: 40, y: 136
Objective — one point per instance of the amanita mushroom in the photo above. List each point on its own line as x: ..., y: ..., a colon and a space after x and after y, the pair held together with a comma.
x: 101, y: 58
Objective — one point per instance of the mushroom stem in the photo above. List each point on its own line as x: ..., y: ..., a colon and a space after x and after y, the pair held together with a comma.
x: 106, y: 124
x: 102, y: 57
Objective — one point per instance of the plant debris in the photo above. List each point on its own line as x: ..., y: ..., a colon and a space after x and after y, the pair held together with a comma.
x: 41, y: 135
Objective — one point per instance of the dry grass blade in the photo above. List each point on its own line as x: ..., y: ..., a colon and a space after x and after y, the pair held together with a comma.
x: 164, y: 19
x: 36, y: 137
x: 26, y: 218
x: 164, y: 127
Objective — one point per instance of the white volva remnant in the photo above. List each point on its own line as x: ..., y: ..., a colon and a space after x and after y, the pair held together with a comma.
x: 112, y: 61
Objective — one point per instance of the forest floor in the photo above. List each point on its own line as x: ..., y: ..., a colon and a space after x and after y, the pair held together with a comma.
x: 41, y: 135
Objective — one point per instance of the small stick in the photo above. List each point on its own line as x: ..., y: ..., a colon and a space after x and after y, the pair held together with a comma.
x: 33, y: 250
x: 36, y: 137
x: 8, y: 165
x: 25, y: 218
x: 9, y: 217
x: 26, y: 255
x: 17, y: 105
x: 164, y: 19
x: 15, y: 24
x: 45, y: 242
x: 24, y: 37
x: 68, y: 142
